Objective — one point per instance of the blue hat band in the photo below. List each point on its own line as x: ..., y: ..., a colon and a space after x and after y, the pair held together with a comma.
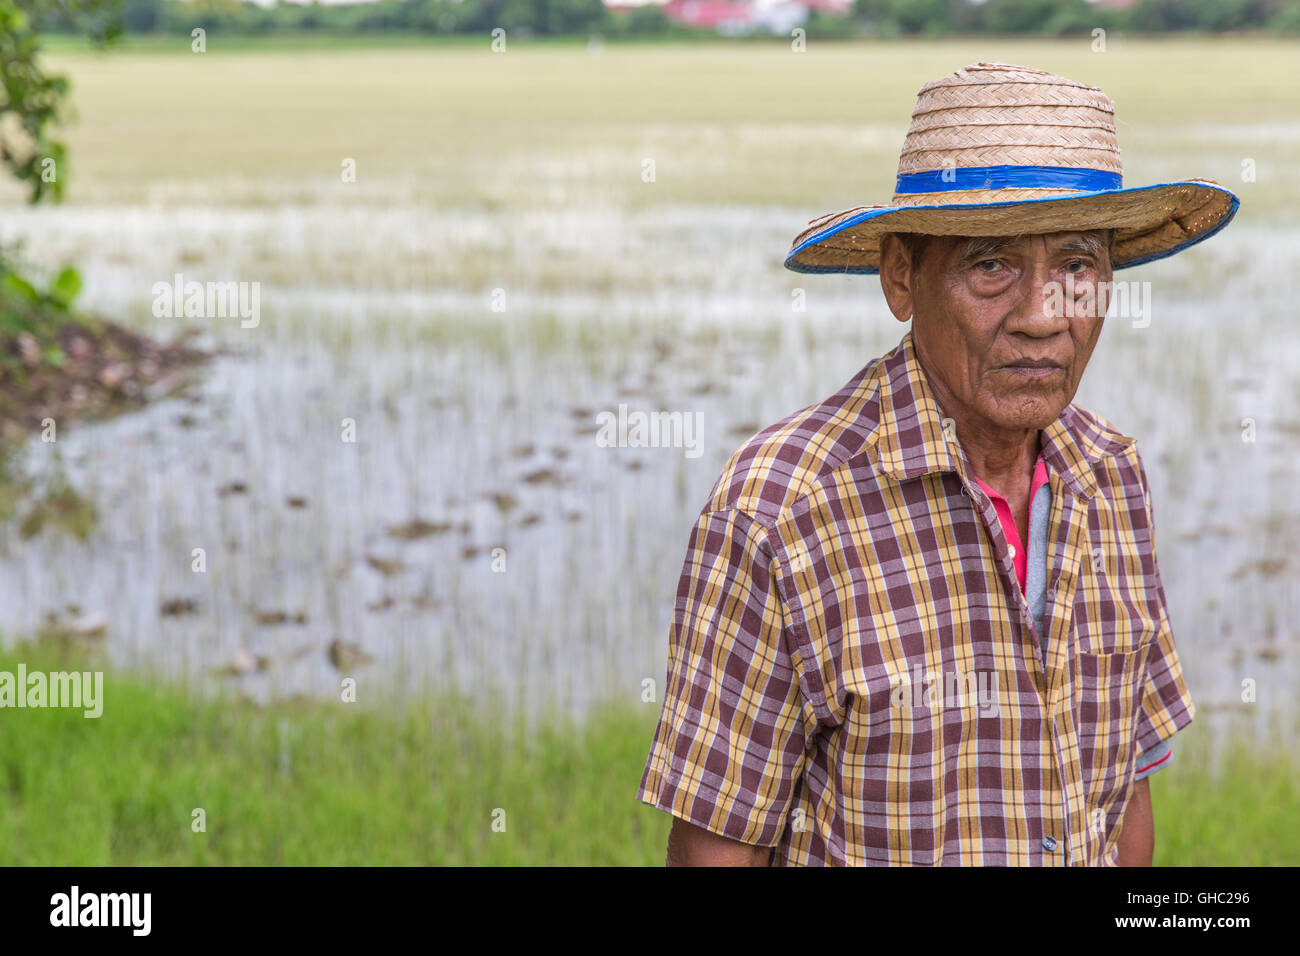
x: 1008, y: 177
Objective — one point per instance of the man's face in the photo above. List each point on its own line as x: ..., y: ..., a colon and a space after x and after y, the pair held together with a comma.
x: 992, y: 322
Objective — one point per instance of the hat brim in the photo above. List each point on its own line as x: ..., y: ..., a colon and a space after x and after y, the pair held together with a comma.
x: 1151, y: 222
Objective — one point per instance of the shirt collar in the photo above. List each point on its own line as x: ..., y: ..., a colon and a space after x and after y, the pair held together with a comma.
x: 910, y: 439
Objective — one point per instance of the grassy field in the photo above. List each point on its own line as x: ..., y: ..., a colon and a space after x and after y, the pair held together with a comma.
x: 322, y: 784
x: 315, y: 784
x: 737, y: 123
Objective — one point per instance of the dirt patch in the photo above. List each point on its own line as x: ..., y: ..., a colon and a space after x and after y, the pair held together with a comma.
x: 104, y: 369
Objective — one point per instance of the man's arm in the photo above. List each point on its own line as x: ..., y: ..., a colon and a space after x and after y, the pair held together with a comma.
x: 735, y: 729
x: 1166, y: 708
x: 1137, y: 833
x: 689, y: 845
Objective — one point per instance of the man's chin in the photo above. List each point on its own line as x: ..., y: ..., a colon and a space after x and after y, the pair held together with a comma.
x: 1032, y: 414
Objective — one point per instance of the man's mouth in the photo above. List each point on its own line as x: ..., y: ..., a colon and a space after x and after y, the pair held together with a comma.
x: 1033, y: 368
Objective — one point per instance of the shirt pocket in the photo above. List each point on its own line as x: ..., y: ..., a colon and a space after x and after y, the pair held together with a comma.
x: 1112, y: 621
x: 1108, y: 696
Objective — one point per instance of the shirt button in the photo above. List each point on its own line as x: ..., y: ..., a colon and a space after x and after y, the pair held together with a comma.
x: 1012, y: 549
x: 1049, y: 844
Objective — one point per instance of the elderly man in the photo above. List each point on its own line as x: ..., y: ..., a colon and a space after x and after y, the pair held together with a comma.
x: 921, y: 622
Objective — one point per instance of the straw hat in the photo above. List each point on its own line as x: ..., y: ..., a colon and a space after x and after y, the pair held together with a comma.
x: 997, y: 150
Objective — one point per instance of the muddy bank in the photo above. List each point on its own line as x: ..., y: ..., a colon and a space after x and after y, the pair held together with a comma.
x: 101, y: 370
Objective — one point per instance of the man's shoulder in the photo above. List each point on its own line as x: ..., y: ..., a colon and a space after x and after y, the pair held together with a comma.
x: 1097, y: 436
x: 1113, y: 456
x: 777, y: 466
x: 1101, y: 440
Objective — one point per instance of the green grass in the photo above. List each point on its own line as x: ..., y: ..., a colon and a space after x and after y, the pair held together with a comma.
x: 328, y: 784
x: 1241, y: 813
x: 313, y: 784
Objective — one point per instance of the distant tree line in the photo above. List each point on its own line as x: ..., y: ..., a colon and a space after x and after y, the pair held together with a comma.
x: 880, y: 18
x: 1069, y: 17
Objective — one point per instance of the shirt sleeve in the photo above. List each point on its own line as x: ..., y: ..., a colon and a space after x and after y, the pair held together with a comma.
x: 1153, y: 760
x: 1166, y: 702
x: 734, y: 731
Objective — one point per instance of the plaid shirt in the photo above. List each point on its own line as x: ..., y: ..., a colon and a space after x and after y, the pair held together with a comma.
x: 848, y: 588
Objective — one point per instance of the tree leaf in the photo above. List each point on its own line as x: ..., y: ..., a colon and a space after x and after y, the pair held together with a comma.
x: 65, y: 287
x: 20, y: 286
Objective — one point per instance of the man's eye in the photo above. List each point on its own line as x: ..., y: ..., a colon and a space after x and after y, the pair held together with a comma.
x: 1076, y: 265
x: 988, y: 265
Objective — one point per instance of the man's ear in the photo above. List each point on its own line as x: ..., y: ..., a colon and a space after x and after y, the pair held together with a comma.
x: 896, y: 276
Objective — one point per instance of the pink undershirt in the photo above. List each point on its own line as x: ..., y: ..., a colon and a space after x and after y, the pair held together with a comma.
x: 1009, y: 531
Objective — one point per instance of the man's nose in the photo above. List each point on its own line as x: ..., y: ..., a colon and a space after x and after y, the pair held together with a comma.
x: 1041, y: 305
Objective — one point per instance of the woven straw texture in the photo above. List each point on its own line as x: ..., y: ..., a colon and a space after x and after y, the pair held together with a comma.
x: 997, y: 114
